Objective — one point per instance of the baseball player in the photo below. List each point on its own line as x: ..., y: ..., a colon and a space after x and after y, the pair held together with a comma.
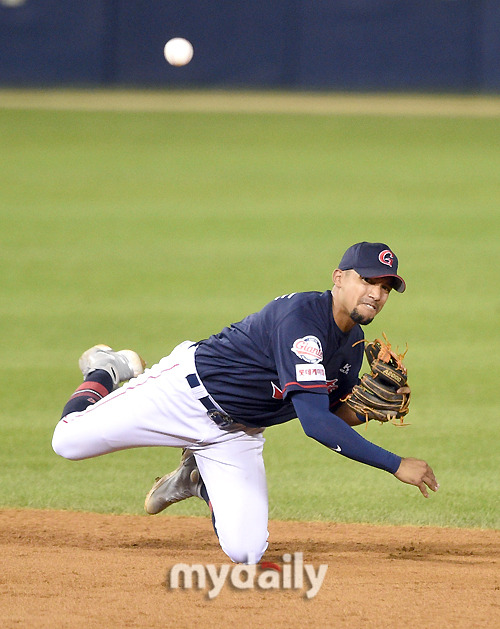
x: 299, y: 356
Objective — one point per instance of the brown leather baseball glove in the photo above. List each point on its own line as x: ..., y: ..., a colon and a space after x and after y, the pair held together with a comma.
x: 377, y: 396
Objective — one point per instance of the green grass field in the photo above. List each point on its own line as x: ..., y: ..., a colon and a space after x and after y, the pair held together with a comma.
x: 143, y: 229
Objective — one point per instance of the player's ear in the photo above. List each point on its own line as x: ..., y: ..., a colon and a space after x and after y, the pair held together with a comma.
x: 337, y: 277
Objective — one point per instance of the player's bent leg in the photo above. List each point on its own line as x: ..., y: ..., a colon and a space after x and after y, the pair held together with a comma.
x: 103, y: 370
x: 155, y: 409
x: 127, y: 418
x: 234, y: 476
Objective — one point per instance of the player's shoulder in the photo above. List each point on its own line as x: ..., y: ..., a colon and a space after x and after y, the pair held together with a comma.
x: 303, y: 306
x: 304, y: 299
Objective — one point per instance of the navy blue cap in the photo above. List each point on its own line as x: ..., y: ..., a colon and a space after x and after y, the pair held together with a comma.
x: 373, y: 259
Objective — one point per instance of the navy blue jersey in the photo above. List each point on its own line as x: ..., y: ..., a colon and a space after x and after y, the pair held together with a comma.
x: 292, y: 344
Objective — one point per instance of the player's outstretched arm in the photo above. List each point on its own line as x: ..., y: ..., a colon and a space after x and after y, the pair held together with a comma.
x: 313, y: 411
x: 418, y: 473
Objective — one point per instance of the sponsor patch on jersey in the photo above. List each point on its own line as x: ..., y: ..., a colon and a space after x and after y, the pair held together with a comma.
x: 308, y: 348
x: 304, y: 373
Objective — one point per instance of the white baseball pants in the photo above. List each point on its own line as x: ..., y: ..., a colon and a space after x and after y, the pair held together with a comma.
x: 159, y: 408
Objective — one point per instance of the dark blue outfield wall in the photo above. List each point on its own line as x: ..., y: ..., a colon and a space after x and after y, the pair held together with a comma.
x: 446, y: 45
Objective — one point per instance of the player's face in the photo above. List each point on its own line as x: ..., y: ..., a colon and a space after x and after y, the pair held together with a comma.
x: 359, y: 299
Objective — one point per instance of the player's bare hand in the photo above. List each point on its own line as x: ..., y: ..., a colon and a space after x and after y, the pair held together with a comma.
x: 418, y: 473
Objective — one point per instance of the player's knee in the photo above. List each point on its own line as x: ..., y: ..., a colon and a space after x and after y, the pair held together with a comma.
x: 64, y: 445
x: 241, y: 550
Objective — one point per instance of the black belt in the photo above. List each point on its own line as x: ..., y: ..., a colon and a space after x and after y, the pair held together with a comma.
x: 219, y: 417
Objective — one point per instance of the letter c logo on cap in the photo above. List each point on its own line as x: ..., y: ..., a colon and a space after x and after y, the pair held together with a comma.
x: 386, y: 257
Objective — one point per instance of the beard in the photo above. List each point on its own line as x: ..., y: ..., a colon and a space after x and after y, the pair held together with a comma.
x: 357, y: 317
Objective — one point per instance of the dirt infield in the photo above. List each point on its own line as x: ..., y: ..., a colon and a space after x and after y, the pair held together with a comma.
x: 65, y: 569
x: 221, y: 101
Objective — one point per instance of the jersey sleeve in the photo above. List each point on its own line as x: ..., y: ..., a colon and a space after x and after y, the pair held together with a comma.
x: 330, y: 430
x: 298, y: 346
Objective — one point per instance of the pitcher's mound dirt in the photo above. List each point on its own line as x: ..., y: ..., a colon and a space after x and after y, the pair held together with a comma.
x: 65, y: 569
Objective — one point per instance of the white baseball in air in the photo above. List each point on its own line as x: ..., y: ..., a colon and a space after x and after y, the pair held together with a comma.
x: 178, y: 51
